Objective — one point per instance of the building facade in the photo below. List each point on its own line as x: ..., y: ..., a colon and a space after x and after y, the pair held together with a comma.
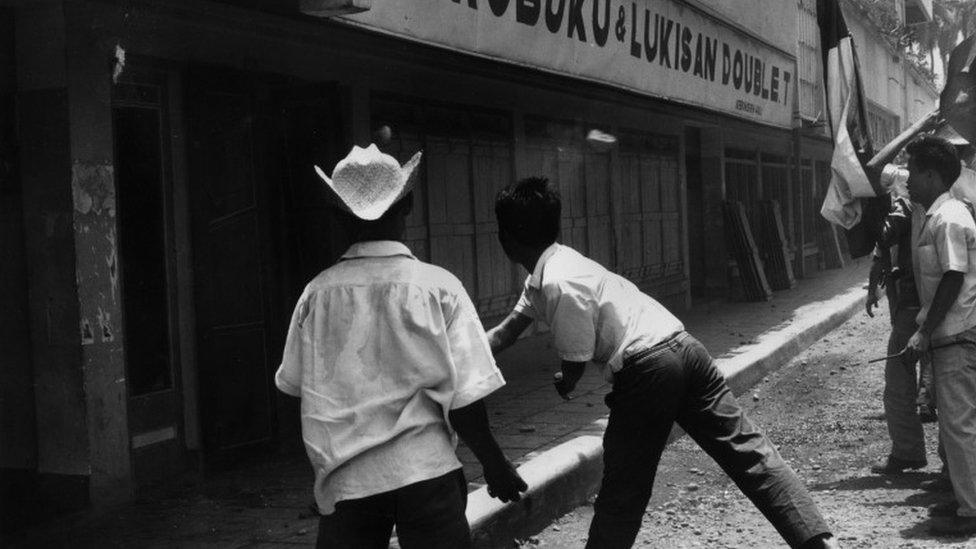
x: 160, y: 214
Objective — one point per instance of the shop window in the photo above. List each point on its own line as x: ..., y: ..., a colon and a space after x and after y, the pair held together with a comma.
x: 651, y: 220
x: 742, y: 179
x: 776, y: 184
x: 828, y: 248
x: 811, y: 201
x: 883, y: 125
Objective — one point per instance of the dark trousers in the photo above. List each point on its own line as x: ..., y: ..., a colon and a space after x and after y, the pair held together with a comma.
x: 678, y: 382
x: 427, y: 514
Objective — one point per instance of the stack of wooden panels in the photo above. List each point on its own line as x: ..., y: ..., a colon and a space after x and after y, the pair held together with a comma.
x: 742, y: 247
x: 774, y: 246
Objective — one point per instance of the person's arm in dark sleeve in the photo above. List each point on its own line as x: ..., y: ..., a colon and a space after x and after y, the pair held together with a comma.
x: 880, y: 266
x: 471, y: 424
x: 896, y: 224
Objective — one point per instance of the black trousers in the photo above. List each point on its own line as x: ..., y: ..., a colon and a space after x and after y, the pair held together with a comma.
x: 678, y: 382
x: 427, y: 514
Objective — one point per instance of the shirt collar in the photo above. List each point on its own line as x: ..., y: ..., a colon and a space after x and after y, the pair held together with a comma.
x: 938, y: 203
x: 535, y: 280
x: 377, y: 248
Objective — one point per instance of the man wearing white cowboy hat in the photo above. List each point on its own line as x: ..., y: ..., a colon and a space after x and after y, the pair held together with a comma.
x: 390, y: 359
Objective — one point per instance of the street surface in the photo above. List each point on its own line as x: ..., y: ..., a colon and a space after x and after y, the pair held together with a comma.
x: 824, y: 413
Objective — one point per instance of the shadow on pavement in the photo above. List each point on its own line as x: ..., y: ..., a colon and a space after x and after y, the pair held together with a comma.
x: 906, y: 481
x: 921, y: 531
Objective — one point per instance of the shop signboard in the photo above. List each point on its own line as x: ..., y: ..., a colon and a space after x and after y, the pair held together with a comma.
x: 661, y: 48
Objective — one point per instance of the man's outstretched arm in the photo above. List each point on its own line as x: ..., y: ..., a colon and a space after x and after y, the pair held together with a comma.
x: 507, y: 332
x: 471, y: 424
x: 888, y: 153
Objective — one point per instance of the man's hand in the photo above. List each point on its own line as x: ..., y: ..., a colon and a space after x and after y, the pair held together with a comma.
x: 916, y: 347
x: 876, y: 279
x: 872, y: 301
x: 506, y: 333
x: 504, y: 481
x: 565, y: 381
x: 471, y: 424
x: 931, y: 121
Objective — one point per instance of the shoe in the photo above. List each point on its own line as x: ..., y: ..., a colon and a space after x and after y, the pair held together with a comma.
x: 954, y: 526
x: 941, y: 484
x: 894, y: 466
x: 944, y: 509
x: 927, y: 414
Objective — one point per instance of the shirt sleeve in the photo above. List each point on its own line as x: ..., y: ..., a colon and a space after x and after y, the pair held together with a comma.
x: 476, y: 375
x: 954, y: 239
x: 298, y: 346
x: 573, y: 323
x: 524, y: 304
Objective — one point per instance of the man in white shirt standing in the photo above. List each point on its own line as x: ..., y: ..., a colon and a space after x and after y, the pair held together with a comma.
x: 390, y: 360
x: 661, y: 375
x: 945, y: 271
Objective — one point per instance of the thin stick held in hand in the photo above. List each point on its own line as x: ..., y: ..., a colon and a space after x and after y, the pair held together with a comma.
x: 898, y: 354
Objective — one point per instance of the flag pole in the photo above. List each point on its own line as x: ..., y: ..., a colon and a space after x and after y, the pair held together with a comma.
x: 902, y: 139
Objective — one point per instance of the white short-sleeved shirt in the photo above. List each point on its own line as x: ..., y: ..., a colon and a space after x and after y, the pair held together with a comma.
x: 380, y: 347
x: 946, y: 241
x: 965, y: 186
x: 894, y: 179
x: 594, y: 314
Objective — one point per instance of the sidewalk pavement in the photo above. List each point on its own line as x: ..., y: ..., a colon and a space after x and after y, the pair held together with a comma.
x: 556, y: 443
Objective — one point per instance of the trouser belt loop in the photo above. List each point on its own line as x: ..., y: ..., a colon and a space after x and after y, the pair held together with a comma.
x: 676, y: 340
x: 671, y: 343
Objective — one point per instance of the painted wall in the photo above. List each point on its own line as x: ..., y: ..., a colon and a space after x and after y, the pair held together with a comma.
x: 888, y: 79
x: 65, y: 169
x: 95, y: 247
x: 773, y: 20
x: 18, y: 437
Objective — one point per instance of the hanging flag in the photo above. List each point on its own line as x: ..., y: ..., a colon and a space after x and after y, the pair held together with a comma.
x: 957, y: 102
x: 848, y: 119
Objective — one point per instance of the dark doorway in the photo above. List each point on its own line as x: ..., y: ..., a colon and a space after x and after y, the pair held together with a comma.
x: 143, y: 190
x: 229, y: 182
x: 311, y: 238
x: 261, y: 231
x: 696, y: 209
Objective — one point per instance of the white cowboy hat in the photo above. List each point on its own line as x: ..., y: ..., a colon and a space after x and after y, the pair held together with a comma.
x: 367, y: 181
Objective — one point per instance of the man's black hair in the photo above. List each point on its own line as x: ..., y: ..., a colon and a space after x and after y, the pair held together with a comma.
x: 937, y: 154
x: 528, y: 210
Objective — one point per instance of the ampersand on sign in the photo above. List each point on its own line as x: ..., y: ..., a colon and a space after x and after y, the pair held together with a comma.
x: 620, y: 29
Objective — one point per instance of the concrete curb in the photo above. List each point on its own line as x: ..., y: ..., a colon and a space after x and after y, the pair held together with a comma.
x: 564, y: 477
